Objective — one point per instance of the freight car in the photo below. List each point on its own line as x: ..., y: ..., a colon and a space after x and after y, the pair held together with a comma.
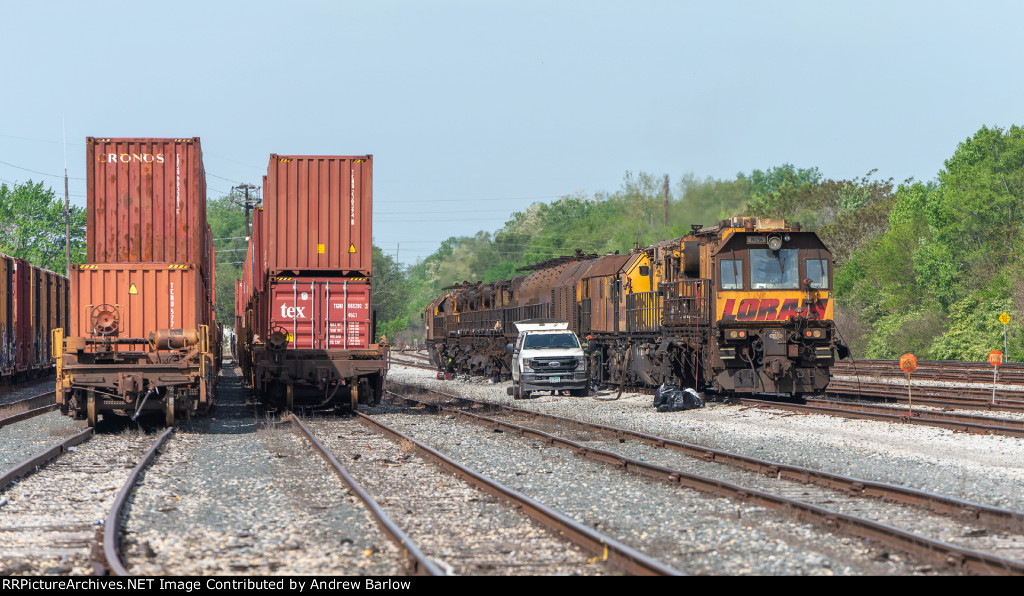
x: 141, y: 335
x: 33, y: 302
x: 738, y: 308
x: 306, y: 322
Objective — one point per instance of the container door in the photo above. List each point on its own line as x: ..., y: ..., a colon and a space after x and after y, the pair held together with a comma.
x: 347, y: 316
x: 292, y: 307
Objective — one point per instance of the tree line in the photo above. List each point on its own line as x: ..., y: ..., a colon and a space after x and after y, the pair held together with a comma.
x: 922, y: 267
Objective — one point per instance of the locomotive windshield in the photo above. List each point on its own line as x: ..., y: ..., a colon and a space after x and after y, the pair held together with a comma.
x: 541, y: 341
x: 774, y: 269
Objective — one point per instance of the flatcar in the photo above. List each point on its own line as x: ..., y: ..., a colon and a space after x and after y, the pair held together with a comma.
x: 33, y: 302
x: 141, y: 335
x: 742, y: 307
x: 304, y: 310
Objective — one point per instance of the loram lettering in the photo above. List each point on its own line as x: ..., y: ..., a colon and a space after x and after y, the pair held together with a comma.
x: 768, y: 309
x: 130, y: 157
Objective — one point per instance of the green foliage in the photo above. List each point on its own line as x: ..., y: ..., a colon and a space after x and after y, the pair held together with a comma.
x: 390, y: 296
x: 227, y: 225
x: 975, y: 330
x: 33, y: 223
x: 949, y: 262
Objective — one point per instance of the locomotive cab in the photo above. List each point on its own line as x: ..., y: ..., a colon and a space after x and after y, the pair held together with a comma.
x: 773, y: 330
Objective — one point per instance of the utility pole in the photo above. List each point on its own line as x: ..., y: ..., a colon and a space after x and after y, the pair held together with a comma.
x: 666, y: 200
x: 67, y: 205
x: 247, y: 203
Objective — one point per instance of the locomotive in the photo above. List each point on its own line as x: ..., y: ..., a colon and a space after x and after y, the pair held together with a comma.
x: 742, y: 307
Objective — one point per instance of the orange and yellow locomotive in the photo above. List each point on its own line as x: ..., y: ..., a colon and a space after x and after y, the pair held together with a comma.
x: 741, y: 307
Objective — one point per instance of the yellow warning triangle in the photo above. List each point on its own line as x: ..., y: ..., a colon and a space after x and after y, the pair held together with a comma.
x: 132, y: 289
x: 351, y: 248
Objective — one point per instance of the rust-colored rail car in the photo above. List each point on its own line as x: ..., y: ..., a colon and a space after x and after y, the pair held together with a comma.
x: 307, y: 326
x: 142, y: 335
x: 33, y: 302
x: 741, y: 307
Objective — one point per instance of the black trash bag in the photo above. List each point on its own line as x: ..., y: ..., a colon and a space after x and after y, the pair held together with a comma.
x: 669, y: 398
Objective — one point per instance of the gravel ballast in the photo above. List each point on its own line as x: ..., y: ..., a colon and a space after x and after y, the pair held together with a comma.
x: 986, y: 469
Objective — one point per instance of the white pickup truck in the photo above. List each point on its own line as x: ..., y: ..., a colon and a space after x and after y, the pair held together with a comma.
x: 547, y: 356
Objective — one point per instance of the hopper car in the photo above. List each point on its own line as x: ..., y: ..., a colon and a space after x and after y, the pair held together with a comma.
x: 742, y: 307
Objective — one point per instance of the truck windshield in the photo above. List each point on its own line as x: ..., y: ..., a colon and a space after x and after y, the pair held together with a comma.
x: 540, y: 341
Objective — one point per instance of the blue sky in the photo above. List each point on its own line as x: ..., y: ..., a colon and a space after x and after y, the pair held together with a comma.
x: 476, y: 109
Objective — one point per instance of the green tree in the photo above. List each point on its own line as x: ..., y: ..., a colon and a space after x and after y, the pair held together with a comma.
x: 390, y: 296
x: 227, y: 225
x: 32, y: 226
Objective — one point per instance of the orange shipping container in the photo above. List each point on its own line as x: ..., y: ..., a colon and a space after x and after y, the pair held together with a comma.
x: 317, y: 214
x: 146, y: 201
x: 144, y: 298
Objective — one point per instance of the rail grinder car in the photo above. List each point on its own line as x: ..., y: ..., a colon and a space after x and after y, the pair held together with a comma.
x: 141, y: 334
x: 306, y: 319
x: 33, y: 302
x: 738, y: 308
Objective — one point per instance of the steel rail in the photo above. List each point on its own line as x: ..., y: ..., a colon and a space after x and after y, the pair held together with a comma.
x: 27, y: 414
x: 977, y: 396
x: 419, y: 563
x: 957, y: 422
x: 899, y: 395
x: 607, y: 549
x: 934, y: 550
x: 943, y: 414
x: 112, y: 526
x: 994, y: 518
x: 38, y: 460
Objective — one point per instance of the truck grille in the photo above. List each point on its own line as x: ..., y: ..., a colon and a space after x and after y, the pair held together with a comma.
x: 553, y: 365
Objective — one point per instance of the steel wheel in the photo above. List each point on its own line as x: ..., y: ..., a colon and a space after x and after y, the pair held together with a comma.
x: 169, y: 401
x: 90, y: 408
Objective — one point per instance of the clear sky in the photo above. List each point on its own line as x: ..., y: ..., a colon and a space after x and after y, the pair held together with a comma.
x: 474, y: 109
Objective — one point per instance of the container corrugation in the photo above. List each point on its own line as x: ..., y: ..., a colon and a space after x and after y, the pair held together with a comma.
x: 146, y: 201
x: 318, y: 212
x: 147, y: 297
x: 320, y: 313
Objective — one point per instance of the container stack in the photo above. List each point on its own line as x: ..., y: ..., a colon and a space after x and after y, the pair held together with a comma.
x: 308, y: 317
x: 144, y: 300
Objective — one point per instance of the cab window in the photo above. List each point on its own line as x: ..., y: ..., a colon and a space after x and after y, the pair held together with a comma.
x: 817, y: 272
x: 731, y: 274
x: 774, y: 269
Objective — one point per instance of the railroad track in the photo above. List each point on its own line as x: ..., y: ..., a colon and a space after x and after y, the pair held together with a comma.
x: 939, y: 383
x: 26, y: 408
x: 973, y: 538
x: 469, y: 524
x: 987, y: 425
x: 55, y: 501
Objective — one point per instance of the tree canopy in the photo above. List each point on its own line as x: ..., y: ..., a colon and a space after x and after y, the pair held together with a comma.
x: 32, y: 226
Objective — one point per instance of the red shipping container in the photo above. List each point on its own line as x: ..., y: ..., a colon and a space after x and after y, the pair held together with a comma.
x: 320, y: 313
x: 317, y: 214
x: 146, y: 201
x: 147, y: 297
